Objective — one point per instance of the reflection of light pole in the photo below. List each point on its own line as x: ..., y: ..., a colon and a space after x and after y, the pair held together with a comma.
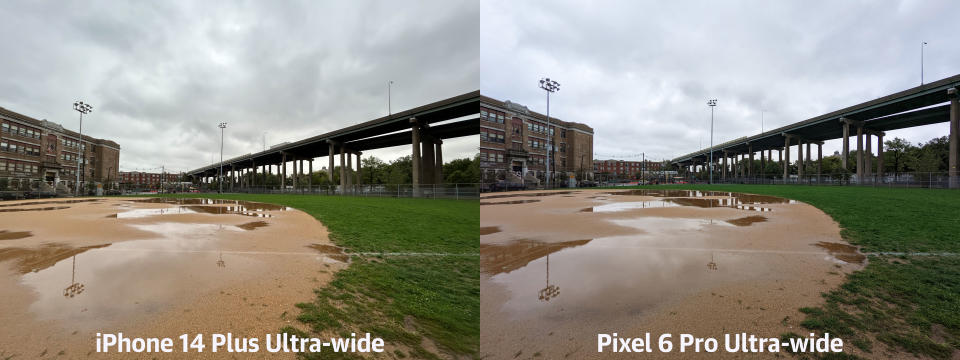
x: 712, y: 104
x: 222, y: 126
x: 220, y: 262
x: 551, y: 291
x: 712, y: 265
x: 550, y: 86
x: 75, y: 288
x: 82, y: 108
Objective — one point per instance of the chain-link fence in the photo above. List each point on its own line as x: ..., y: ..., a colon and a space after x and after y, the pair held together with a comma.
x: 430, y: 191
x: 931, y: 180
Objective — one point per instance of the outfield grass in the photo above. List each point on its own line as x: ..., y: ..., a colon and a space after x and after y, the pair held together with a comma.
x: 908, y: 303
x: 399, y: 298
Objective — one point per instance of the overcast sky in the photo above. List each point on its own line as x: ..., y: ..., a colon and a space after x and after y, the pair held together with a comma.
x: 640, y: 72
x: 162, y: 74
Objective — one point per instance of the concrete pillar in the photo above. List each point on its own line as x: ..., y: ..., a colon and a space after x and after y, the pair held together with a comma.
x: 233, y: 170
x: 343, y: 168
x: 415, y: 140
x: 819, y: 160
x: 723, y: 165
x: 310, y: 175
x: 763, y: 164
x: 296, y: 173
x: 868, y: 158
x: 846, y: 144
x: 429, y: 160
x: 750, y: 164
x: 359, y: 169
x: 859, y: 153
x: 283, y: 170
x: 953, y: 166
x: 880, y: 156
x: 800, y: 160
x: 438, y: 168
x: 330, y: 167
x: 786, y: 159
x: 350, y: 172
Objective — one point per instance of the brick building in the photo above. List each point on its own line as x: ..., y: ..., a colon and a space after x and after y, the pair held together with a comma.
x: 625, y: 169
x: 42, y: 155
x: 147, y: 179
x: 513, y: 145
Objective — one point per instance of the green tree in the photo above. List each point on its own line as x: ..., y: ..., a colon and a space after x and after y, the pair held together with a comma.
x: 897, y: 151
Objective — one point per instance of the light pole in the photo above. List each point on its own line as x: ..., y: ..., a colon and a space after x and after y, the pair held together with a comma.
x: 550, y: 86
x: 82, y: 108
x: 712, y: 103
x: 222, y: 126
x: 389, y: 111
x: 922, y: 44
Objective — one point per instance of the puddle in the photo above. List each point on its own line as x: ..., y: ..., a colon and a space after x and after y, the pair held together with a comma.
x: 142, y: 213
x: 35, y: 209
x: 244, y: 205
x: 549, y: 193
x: 748, y: 220
x: 587, y: 210
x: 204, y: 206
x: 111, y: 216
x: 509, y: 202
x: 252, y: 225
x: 843, y: 252
x: 50, y: 202
x: 331, y: 251
x: 14, y: 235
x: 715, y: 203
x: 630, y: 205
x: 603, y: 279
x: 487, y: 230
x: 740, y: 198
x: 36, y: 259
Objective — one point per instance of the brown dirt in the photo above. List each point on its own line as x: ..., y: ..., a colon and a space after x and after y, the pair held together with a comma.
x: 637, y: 262
x: 162, y: 273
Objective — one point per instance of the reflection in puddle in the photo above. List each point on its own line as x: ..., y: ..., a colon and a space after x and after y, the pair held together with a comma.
x: 204, y: 206
x: 714, y: 203
x: 843, y: 252
x: 526, y: 194
x: 239, y: 204
x: 504, y: 258
x: 631, y: 205
x: 331, y: 251
x: 50, y: 202
x: 252, y: 225
x: 36, y: 259
x: 487, y: 230
x: 14, y: 235
x: 746, y: 221
x: 509, y: 202
x: 35, y: 209
x: 142, y: 213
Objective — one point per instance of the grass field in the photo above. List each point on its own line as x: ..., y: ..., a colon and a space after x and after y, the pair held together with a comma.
x: 907, y: 303
x: 402, y: 299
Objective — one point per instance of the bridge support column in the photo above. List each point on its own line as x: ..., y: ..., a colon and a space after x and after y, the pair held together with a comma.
x: 429, y: 160
x: 359, y: 169
x: 415, y: 139
x: 859, y: 154
x: 786, y: 159
x: 954, y: 160
x: 819, y: 160
x: 750, y: 164
x: 233, y: 179
x: 350, y: 172
x: 283, y: 176
x: 330, y: 166
x: 800, y: 162
x: 723, y: 166
x: 868, y: 158
x: 846, y: 144
x: 763, y: 164
x: 807, y: 158
x: 438, y: 168
x: 880, y: 156
x: 343, y: 169
x: 310, y: 175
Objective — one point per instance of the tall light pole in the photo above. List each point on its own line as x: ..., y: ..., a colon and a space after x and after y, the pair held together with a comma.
x: 550, y: 86
x: 922, y: 44
x: 389, y: 111
x: 712, y: 103
x: 82, y: 108
x: 222, y: 126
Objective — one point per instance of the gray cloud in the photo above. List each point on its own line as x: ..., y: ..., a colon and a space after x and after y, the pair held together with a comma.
x: 640, y: 72
x: 161, y: 75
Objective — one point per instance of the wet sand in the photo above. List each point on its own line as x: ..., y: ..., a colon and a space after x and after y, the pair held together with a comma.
x: 70, y: 269
x: 566, y: 268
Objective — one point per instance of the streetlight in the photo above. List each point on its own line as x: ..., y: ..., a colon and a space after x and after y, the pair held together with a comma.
x: 222, y: 126
x: 550, y: 86
x: 711, y: 103
x: 82, y: 108
x: 922, y: 43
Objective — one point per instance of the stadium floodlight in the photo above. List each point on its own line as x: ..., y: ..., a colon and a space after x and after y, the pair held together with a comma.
x: 711, y: 103
x: 549, y: 86
x: 82, y: 108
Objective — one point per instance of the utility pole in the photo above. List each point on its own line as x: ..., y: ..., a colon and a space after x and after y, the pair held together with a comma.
x: 922, y: 44
x: 711, y: 103
x: 389, y: 111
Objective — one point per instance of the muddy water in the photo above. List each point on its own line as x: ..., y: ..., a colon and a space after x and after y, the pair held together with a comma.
x: 566, y: 269
x: 155, y: 267
x: 487, y: 230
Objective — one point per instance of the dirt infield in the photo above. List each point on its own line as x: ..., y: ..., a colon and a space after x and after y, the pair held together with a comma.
x: 560, y: 270
x: 153, y: 268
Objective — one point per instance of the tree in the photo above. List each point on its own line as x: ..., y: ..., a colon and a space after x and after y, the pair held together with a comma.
x: 897, y: 150
x: 462, y: 171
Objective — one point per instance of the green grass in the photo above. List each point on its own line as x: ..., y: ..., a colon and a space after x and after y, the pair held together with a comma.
x: 909, y: 303
x: 401, y: 299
